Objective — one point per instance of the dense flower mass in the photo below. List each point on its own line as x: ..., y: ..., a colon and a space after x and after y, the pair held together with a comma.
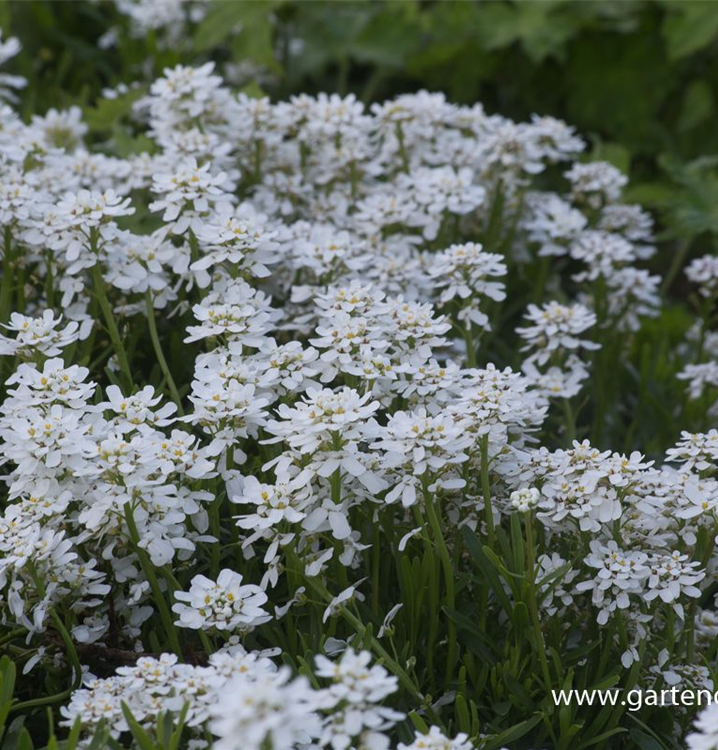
x: 289, y: 431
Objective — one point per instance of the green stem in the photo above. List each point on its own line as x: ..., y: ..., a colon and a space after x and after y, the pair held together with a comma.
x: 160, y: 354
x: 375, y: 567
x: 71, y: 650
x: 335, y: 481
x: 470, y: 345
x: 115, y: 337
x: 36, y: 702
x: 533, y: 603
x: 149, y: 571
x: 12, y: 635
x: 570, y: 421
x: 402, y: 147
x: 61, y: 629
x: 676, y: 264
x: 486, y: 490
x: 541, y: 277
x: 7, y: 278
x: 6, y: 289
x: 360, y: 629
x: 49, y: 280
x: 215, y: 526
x: 449, y: 594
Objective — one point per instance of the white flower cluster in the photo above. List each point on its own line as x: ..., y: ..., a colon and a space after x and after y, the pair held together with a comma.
x: 249, y: 703
x: 331, y: 272
x: 77, y: 470
x: 167, y: 19
x: 553, y: 339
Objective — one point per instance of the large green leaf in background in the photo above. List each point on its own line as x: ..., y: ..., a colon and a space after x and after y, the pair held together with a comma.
x: 621, y: 84
x: 690, y: 25
x: 540, y: 28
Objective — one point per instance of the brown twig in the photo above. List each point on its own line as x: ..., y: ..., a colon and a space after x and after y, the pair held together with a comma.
x: 97, y: 654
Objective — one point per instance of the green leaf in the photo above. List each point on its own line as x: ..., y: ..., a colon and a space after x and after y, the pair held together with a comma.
x: 691, y: 26
x: 662, y: 743
x: 521, y: 620
x: 462, y: 714
x: 106, y: 113
x: 253, y: 90
x: 176, y: 737
x: 640, y: 78
x: 485, y: 566
x: 477, y: 642
x: 7, y: 688
x: 138, y: 733
x: 418, y: 722
x: 517, y: 543
x: 520, y: 696
x: 25, y: 740
x: 541, y: 31
x: 692, y: 204
x: 644, y: 741
x: 390, y: 37
x: 218, y: 24
x: 255, y: 42
x: 613, y: 153
x: 697, y: 105
x: 225, y: 19
x: 74, y: 736
x: 101, y: 736
x: 11, y: 741
x: 513, y: 733
x: 601, y: 737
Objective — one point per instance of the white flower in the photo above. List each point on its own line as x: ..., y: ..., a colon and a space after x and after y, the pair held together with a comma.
x: 285, y: 500
x: 552, y: 223
x: 16, y: 195
x: 672, y: 576
x: 698, y: 451
x: 603, y: 253
x: 83, y: 223
x: 240, y: 241
x: 189, y: 193
x: 556, y: 327
x: 596, y: 183
x: 436, y: 740
x: 48, y: 441
x: 8, y: 49
x: 137, y: 410
x: 355, y: 690
x: 466, y: 270
x: 556, y: 593
x: 222, y: 605
x: 705, y: 736
x: 525, y: 499
x: 704, y: 272
x: 700, y: 377
x: 322, y: 417
x: 386, y: 627
x: 621, y: 575
x: 557, y: 382
x: 54, y: 383
x: 42, y: 335
x: 81, y: 212
x: 341, y: 599
x: 237, y: 312
x: 270, y: 711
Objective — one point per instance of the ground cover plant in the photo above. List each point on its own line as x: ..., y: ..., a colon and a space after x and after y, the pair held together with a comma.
x: 333, y: 425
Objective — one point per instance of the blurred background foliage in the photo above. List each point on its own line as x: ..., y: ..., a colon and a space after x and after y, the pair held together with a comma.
x: 639, y: 79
